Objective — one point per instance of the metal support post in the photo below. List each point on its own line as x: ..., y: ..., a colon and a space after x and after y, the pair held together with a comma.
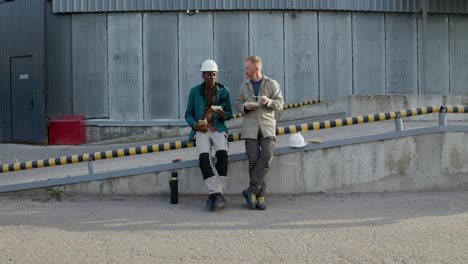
x: 443, y: 117
x: 399, y: 123
x: 91, y: 166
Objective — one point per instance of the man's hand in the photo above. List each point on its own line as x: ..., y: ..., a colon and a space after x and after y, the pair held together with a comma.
x: 250, y: 106
x: 221, y: 114
x: 200, y: 126
x: 263, y: 99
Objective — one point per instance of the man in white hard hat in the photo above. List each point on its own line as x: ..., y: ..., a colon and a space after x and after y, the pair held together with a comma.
x: 208, y: 107
x: 259, y: 127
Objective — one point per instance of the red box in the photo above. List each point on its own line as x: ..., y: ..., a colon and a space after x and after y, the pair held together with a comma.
x: 67, y: 130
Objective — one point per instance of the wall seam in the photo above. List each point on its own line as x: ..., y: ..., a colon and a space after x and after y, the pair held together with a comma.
x: 449, y: 20
x: 178, y: 63
x: 142, y: 65
x: 352, y: 53
x: 318, y: 55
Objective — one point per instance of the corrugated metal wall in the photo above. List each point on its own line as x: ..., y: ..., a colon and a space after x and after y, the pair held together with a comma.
x: 301, y: 55
x: 22, y: 31
x: 195, y: 45
x: 437, y: 6
x: 59, y: 74
x: 401, y: 54
x: 437, y: 63
x: 369, y: 53
x: 266, y: 40
x: 90, y: 65
x: 125, y: 72
x: 141, y: 65
x: 231, y: 42
x: 160, y: 65
x: 335, y: 55
x: 458, y: 31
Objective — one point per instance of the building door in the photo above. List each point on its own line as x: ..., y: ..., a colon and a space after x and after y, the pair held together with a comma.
x: 22, y: 99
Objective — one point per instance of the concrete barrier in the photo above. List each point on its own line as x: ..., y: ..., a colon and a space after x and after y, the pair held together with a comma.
x: 430, y: 162
x: 112, y: 131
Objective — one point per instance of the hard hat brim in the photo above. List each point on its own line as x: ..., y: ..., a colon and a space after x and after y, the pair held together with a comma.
x: 301, y: 146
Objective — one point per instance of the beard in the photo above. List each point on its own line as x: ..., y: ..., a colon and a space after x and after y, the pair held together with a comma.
x: 210, y: 84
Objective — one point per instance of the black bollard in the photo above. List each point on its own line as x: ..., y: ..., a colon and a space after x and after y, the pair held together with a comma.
x: 174, y: 185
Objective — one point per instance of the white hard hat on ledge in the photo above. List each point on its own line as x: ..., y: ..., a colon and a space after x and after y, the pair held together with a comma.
x: 296, y: 140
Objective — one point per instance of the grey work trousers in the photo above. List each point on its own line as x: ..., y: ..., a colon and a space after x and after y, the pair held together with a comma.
x: 260, y: 154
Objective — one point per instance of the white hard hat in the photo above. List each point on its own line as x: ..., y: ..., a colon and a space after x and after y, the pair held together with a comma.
x: 296, y: 140
x: 209, y: 66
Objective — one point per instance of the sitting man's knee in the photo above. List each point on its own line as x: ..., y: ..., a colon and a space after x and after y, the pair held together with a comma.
x: 222, y: 162
x: 204, y: 161
x: 222, y: 154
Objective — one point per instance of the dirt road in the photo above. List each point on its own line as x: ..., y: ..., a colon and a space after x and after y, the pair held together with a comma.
x: 323, y: 228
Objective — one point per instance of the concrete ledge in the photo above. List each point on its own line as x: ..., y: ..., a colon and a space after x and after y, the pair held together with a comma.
x: 429, y: 162
x: 426, y: 159
x: 125, y: 134
x: 115, y: 131
x: 106, y: 130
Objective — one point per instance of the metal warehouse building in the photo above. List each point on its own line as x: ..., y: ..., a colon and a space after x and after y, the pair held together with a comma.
x: 132, y: 62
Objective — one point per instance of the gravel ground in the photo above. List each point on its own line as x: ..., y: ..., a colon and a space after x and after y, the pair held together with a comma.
x: 322, y: 228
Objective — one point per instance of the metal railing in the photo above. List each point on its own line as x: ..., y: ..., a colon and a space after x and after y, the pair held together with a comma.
x: 91, y: 157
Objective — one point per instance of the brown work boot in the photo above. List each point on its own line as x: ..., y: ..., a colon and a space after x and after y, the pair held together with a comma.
x: 250, y: 198
x: 261, y: 203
